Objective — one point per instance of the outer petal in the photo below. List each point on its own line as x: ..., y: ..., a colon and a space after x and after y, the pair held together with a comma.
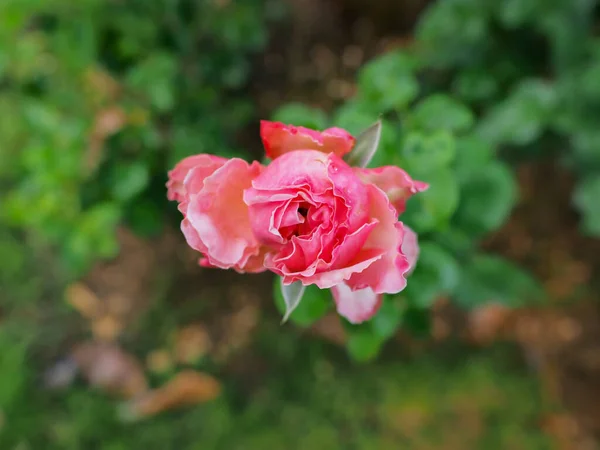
x: 356, y: 306
x: 410, y: 247
x: 207, y: 164
x: 385, y: 275
x: 394, y: 181
x: 219, y: 216
x: 279, y: 139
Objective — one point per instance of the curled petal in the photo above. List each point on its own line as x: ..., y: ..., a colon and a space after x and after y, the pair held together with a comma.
x: 206, y: 165
x: 410, y: 247
x: 279, y: 139
x: 394, y: 181
x: 386, y: 274
x: 218, y: 217
x: 356, y: 306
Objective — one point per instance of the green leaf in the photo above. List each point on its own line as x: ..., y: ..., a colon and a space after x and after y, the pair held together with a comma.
x: 353, y: 116
x: 440, y: 112
x: 155, y: 77
x: 292, y: 295
x: 475, y: 85
x: 145, y: 217
x: 472, y: 154
x: 488, y: 278
x: 301, y: 115
x: 388, y: 83
x: 522, y: 117
x: 424, y: 153
x: 587, y: 200
x: 433, y: 208
x: 365, y: 147
x: 314, y: 305
x: 387, y: 320
x: 437, y: 273
x: 363, y: 344
x: 417, y: 321
x: 487, y: 198
x: 129, y: 180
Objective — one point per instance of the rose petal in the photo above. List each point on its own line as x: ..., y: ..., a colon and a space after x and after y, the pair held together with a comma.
x: 279, y: 139
x: 394, y: 181
x: 206, y: 165
x: 356, y: 306
x: 386, y: 275
x: 410, y: 247
x: 219, y: 216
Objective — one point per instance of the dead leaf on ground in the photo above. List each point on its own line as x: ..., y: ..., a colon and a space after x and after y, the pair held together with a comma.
x: 106, y: 123
x: 191, y: 344
x: 111, y: 369
x: 487, y: 322
x: 83, y: 300
x: 159, y: 361
x: 107, y: 328
x: 187, y: 388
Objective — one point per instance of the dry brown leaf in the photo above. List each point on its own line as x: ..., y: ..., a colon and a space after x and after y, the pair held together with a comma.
x: 108, y: 367
x: 188, y: 387
x: 101, y: 85
x: 83, y: 300
x: 191, y: 343
x: 106, y: 123
x: 107, y: 328
x: 159, y: 361
x: 487, y: 322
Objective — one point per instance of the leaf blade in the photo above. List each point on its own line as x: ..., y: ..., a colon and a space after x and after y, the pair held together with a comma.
x: 292, y: 294
x: 366, y: 146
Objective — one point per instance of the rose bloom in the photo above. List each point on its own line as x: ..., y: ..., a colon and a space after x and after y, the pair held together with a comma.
x: 307, y: 216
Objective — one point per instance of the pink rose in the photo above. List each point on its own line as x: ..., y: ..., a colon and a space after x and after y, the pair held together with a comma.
x: 308, y: 216
x: 216, y: 221
x: 329, y: 228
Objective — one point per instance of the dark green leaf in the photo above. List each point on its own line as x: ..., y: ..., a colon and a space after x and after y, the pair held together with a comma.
x: 490, y: 278
x: 587, y: 199
x: 487, y: 198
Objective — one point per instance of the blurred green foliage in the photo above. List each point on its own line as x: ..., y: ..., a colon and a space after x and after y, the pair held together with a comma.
x: 306, y: 401
x: 99, y: 99
x: 532, y: 70
x: 435, y: 138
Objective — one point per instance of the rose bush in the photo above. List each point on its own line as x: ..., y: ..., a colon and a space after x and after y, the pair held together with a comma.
x: 307, y: 216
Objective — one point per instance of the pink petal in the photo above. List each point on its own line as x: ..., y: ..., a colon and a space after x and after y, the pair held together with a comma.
x: 386, y: 274
x: 394, y: 181
x: 279, y: 139
x: 207, y: 164
x: 219, y: 216
x: 356, y: 306
x: 410, y: 247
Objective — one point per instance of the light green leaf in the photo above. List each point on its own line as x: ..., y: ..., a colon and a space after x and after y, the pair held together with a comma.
x: 425, y: 153
x: 365, y: 146
x: 129, y: 180
x: 587, y: 200
x: 292, y: 295
x: 363, y: 344
x: 314, y: 305
x: 441, y: 112
x: 487, y: 198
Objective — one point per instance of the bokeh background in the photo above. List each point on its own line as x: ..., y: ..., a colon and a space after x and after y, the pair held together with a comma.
x: 113, y: 338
